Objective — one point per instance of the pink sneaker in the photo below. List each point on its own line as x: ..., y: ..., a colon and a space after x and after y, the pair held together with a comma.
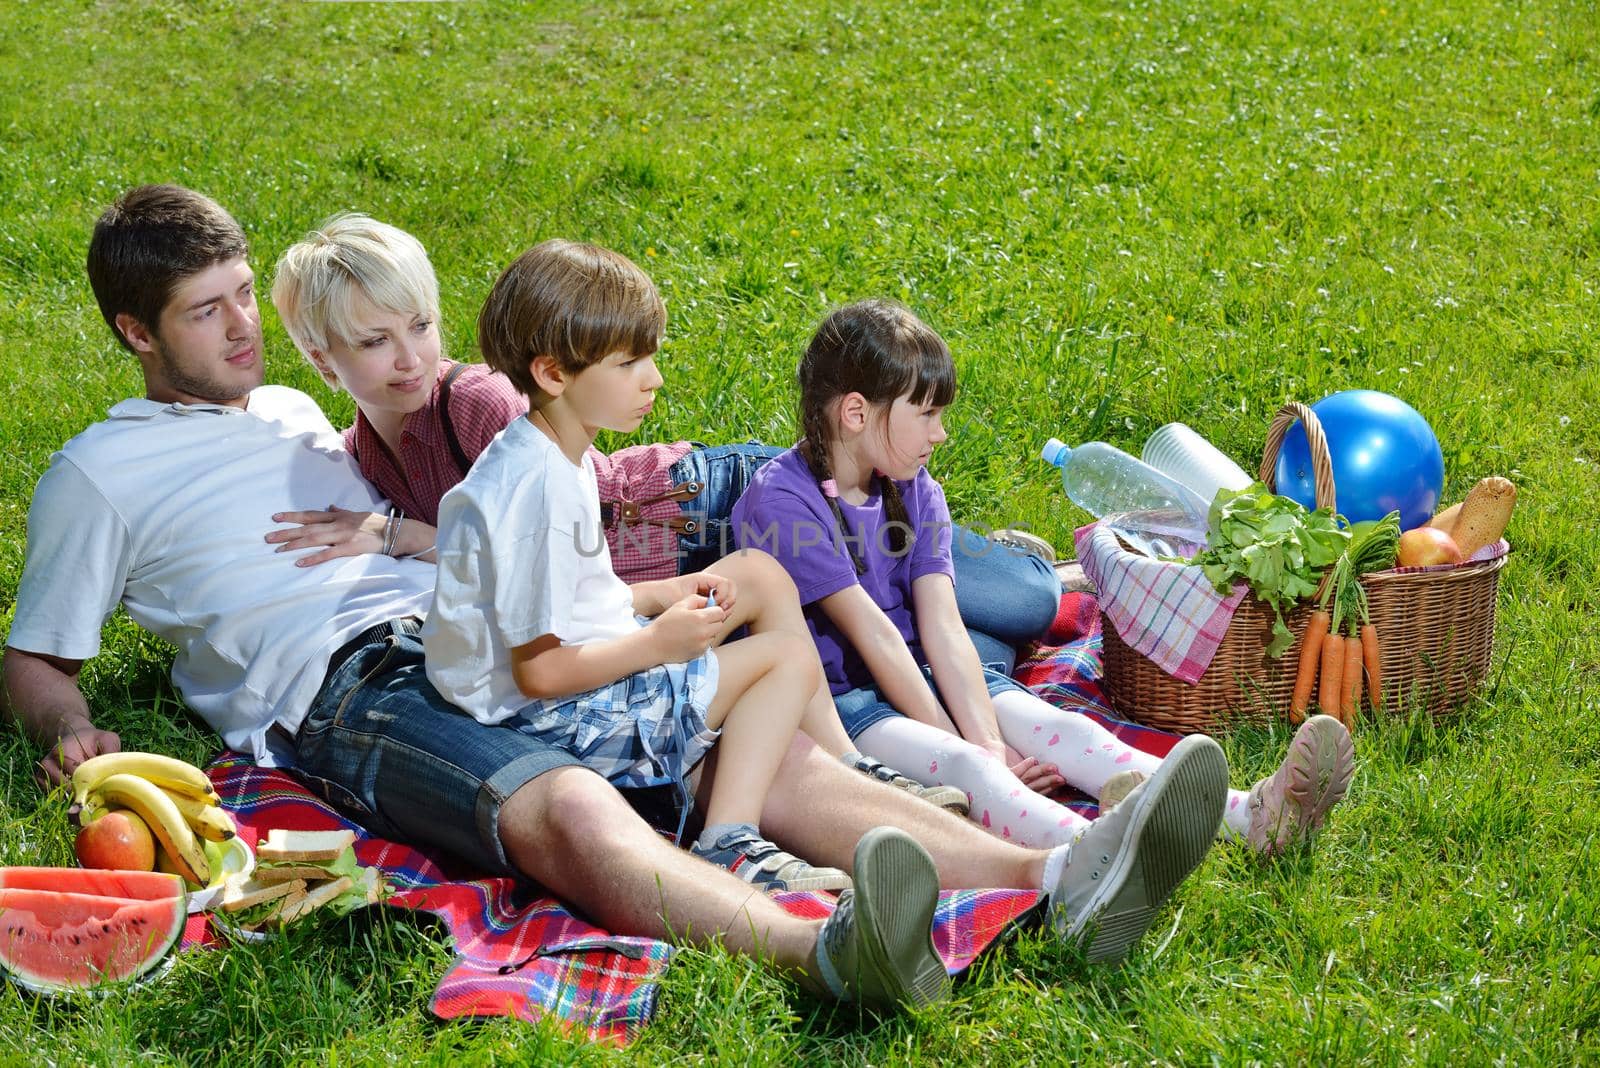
x: 1291, y: 804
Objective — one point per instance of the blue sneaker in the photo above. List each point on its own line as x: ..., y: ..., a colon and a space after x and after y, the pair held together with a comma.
x: 762, y: 864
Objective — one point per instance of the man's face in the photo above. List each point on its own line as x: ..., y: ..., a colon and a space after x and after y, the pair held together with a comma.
x: 206, y: 348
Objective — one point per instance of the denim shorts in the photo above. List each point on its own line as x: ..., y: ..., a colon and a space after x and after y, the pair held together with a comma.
x: 725, y: 471
x: 860, y: 709
x: 382, y: 745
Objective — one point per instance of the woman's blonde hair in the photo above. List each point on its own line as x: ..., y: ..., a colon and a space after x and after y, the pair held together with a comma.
x: 323, y: 280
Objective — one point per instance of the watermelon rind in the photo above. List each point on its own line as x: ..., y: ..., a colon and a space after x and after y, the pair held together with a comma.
x: 98, y: 882
x: 51, y: 941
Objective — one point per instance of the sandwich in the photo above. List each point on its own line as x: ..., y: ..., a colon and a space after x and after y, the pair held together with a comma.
x: 298, y: 873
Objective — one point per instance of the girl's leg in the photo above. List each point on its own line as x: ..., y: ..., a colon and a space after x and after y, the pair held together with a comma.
x: 1086, y: 753
x: 768, y: 603
x: 757, y: 709
x: 1000, y: 801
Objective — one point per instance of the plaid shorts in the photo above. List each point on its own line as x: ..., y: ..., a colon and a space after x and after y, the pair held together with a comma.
x: 647, y: 729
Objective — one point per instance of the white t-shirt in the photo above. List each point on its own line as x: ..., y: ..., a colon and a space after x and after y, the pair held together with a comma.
x: 163, y: 508
x: 522, y: 553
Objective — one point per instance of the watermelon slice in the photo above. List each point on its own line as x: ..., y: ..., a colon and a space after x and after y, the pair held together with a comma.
x: 52, y: 938
x: 100, y: 882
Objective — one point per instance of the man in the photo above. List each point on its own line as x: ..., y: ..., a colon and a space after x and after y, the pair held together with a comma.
x: 160, y: 507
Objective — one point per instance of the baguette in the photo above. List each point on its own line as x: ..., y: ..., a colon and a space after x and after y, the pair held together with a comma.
x: 1484, y: 515
x: 1446, y: 520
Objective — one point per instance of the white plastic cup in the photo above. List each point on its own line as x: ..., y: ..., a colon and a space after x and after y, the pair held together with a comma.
x: 1189, y: 459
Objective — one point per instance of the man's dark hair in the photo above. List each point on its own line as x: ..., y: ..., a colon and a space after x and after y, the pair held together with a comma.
x: 147, y: 242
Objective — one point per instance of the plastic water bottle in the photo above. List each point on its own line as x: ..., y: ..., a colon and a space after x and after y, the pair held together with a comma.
x: 1105, y: 481
x: 1189, y: 459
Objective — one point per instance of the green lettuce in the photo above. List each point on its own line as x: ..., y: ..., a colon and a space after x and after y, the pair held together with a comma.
x: 1275, y: 545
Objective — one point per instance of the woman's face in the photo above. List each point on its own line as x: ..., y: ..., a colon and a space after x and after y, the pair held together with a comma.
x: 390, y: 365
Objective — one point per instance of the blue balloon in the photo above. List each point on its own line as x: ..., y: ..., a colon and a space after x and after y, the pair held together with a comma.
x: 1385, y: 458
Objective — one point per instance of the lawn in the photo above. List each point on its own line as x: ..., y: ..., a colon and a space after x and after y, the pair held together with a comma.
x: 1118, y: 214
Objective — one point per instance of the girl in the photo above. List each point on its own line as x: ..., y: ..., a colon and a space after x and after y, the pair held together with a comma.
x: 861, y: 526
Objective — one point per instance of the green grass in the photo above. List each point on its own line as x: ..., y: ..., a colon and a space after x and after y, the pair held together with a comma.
x: 1118, y: 214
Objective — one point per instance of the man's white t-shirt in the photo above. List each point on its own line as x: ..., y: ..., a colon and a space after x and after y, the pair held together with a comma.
x: 522, y: 553
x: 164, y: 508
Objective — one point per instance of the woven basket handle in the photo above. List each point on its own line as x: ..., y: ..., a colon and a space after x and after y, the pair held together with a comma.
x: 1321, y: 463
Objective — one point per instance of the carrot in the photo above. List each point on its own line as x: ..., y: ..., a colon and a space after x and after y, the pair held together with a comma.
x: 1350, y: 685
x: 1374, y: 664
x: 1329, y: 691
x: 1306, y: 673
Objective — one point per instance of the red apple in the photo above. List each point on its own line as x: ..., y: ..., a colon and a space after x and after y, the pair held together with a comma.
x: 1426, y: 546
x: 119, y: 839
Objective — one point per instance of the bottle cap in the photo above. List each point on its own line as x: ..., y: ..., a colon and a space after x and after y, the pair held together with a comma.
x: 1055, y: 452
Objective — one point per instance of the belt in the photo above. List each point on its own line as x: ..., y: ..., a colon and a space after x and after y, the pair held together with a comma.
x: 370, y: 636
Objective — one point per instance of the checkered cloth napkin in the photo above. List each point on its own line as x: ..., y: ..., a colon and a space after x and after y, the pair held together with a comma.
x: 1169, y: 612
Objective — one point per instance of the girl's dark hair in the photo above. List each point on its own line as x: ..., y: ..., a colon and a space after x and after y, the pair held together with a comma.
x: 879, y: 349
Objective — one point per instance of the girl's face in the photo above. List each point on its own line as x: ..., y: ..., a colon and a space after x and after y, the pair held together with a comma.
x: 391, y: 363
x: 908, y: 434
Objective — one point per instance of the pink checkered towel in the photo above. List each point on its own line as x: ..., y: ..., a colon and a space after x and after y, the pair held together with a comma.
x: 1169, y: 612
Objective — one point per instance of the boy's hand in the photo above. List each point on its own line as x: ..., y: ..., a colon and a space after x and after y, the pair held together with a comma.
x: 686, y: 629
x: 702, y: 583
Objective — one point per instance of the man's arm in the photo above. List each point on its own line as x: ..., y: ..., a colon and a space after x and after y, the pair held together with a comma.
x: 41, y: 694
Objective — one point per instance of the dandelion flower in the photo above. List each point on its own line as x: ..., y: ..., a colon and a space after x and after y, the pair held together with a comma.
x: 651, y: 252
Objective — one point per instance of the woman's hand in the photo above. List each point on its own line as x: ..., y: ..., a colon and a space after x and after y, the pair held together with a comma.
x: 342, y: 532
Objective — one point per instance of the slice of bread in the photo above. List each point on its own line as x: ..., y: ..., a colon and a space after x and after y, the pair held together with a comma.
x: 285, y: 872
x: 304, y: 845
x: 239, y: 893
x: 315, y: 899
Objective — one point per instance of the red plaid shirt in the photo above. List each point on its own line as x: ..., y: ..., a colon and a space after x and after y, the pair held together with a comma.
x: 481, y: 404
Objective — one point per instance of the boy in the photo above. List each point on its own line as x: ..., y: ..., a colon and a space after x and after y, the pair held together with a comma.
x: 531, y: 627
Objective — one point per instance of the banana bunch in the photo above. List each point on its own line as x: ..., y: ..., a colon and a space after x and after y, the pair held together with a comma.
x: 173, y: 798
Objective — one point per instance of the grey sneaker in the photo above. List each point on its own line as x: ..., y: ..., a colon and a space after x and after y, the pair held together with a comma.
x: 1129, y: 861
x: 877, y: 947
x: 1290, y: 805
x: 950, y: 798
x: 762, y: 864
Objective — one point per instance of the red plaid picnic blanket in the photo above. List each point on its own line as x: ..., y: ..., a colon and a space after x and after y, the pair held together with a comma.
x: 520, y: 952
x: 1169, y: 612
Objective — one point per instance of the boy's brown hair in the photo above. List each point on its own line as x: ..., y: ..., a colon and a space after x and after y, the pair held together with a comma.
x: 148, y: 241
x: 576, y: 302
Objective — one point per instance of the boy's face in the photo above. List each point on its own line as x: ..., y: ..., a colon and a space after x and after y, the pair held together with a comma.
x: 614, y: 394
x: 206, y: 348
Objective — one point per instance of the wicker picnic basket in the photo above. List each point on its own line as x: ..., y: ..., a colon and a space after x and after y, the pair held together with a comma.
x: 1436, y: 630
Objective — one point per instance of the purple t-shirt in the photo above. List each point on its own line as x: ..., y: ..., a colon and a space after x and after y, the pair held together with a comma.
x: 784, y: 513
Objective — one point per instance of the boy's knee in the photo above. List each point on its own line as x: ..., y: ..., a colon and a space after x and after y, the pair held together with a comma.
x: 762, y: 575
